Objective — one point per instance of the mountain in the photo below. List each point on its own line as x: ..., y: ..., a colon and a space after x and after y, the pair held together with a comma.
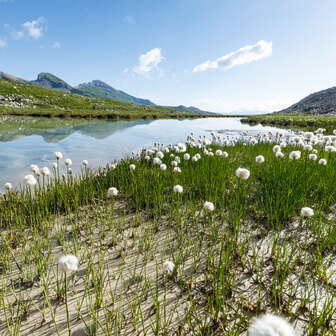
x: 11, y: 78
x: 99, y: 89
x: 318, y: 103
x: 50, y: 81
x: 192, y: 109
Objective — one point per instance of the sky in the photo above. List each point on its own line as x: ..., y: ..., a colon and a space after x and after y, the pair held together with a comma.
x: 219, y: 55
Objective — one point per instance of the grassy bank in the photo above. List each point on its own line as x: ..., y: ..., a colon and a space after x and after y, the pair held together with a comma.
x: 248, y: 253
x: 297, y: 121
x: 21, y: 99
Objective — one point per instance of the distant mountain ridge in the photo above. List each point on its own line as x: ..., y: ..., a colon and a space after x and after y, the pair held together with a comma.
x: 99, y: 89
x: 318, y: 103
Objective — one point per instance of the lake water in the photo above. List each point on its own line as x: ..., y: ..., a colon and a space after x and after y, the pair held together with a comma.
x: 25, y: 141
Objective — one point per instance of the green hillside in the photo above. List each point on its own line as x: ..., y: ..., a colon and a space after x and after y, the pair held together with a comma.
x: 17, y: 98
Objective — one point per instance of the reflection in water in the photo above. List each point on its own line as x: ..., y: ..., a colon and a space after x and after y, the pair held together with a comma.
x: 27, y: 140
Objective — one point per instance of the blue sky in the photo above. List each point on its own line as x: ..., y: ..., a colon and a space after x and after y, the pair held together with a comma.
x: 220, y: 55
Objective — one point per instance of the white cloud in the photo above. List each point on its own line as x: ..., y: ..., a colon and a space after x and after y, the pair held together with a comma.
x: 149, y: 61
x: 56, y: 45
x: 244, y: 55
x: 34, y: 28
x: 2, y: 43
x: 128, y: 19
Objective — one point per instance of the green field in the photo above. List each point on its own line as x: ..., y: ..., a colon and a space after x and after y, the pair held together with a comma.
x: 298, y: 121
x: 252, y: 253
x: 38, y: 101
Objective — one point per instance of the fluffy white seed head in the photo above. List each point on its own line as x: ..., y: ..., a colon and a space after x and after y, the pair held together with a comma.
x: 174, y: 163
x: 157, y: 161
x: 58, y: 155
x: 112, y: 192
x: 242, y: 173
x: 132, y: 166
x: 270, y: 325
x: 323, y: 162
x: 85, y: 163
x: 276, y: 148
x: 178, y: 189
x: 163, y: 166
x: 186, y: 156
x: 225, y: 154
x: 260, y: 159
x: 30, y: 180
x: 295, y: 155
x: 8, y: 186
x: 169, y: 267
x: 208, y: 206
x: 160, y: 155
x: 45, y: 171
x: 68, y: 263
x: 177, y: 170
x: 34, y: 168
x: 68, y: 162
x: 219, y: 152
x: 312, y: 157
x: 55, y: 165
x: 280, y: 155
x: 307, y: 212
x: 147, y: 157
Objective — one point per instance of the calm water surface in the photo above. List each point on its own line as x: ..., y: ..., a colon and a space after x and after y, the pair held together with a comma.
x: 99, y: 142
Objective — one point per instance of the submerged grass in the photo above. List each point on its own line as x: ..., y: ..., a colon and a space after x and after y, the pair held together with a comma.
x: 251, y: 254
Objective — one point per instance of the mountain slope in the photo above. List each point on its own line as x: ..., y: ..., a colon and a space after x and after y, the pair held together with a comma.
x: 318, y: 103
x: 11, y: 78
x: 99, y: 89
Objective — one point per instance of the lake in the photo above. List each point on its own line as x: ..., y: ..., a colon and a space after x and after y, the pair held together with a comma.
x: 25, y: 141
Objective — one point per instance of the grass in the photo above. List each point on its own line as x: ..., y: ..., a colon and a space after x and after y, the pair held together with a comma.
x: 252, y: 254
x: 298, y: 121
x: 41, y: 102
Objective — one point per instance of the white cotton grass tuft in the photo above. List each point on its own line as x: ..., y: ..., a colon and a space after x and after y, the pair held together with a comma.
x: 260, y: 159
x: 312, y: 157
x: 276, y: 148
x: 68, y: 263
x: 242, y: 173
x: 45, y: 171
x: 225, y: 154
x: 55, y: 165
x: 307, y: 212
x: 279, y: 155
x: 208, y: 206
x: 186, y: 156
x: 270, y: 325
x: 8, y: 186
x: 295, y: 155
x: 68, y: 162
x: 163, y: 166
x: 34, y: 168
x: 178, y: 189
x: 58, y: 155
x: 177, y: 170
x: 132, y: 166
x: 157, y: 161
x: 85, y: 163
x: 323, y: 162
x: 169, y: 267
x: 112, y: 192
x: 30, y: 180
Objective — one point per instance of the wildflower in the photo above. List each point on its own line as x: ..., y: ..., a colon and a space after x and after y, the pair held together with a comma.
x: 174, y: 163
x: 219, y: 152
x: 242, y: 173
x: 69, y: 171
x: 30, y: 180
x: 55, y: 165
x: 169, y: 267
x: 68, y: 263
x: 260, y: 159
x: 225, y: 154
x: 312, y: 157
x: 178, y: 189
x: 270, y: 325
x: 307, y: 212
x: 283, y: 144
x: 163, y: 166
x: 34, y: 168
x: 279, y: 155
x: 113, y: 166
x: 147, y: 157
x: 330, y: 149
x: 295, y: 155
x: 160, y: 155
x: 45, y: 171
x: 85, y: 163
x: 276, y: 148
x: 194, y: 158
x: 8, y: 186
x: 112, y: 192
x: 132, y: 166
x: 58, y: 155
x: 177, y: 159
x: 308, y: 148
x: 68, y: 162
x: 323, y: 162
x: 177, y: 170
x: 209, y: 206
x: 157, y: 161
x: 198, y: 155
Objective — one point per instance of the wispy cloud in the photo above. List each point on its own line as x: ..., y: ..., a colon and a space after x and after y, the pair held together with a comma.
x: 56, y: 45
x: 149, y: 61
x: 33, y: 29
x: 244, y: 55
x: 128, y: 19
x: 2, y: 43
